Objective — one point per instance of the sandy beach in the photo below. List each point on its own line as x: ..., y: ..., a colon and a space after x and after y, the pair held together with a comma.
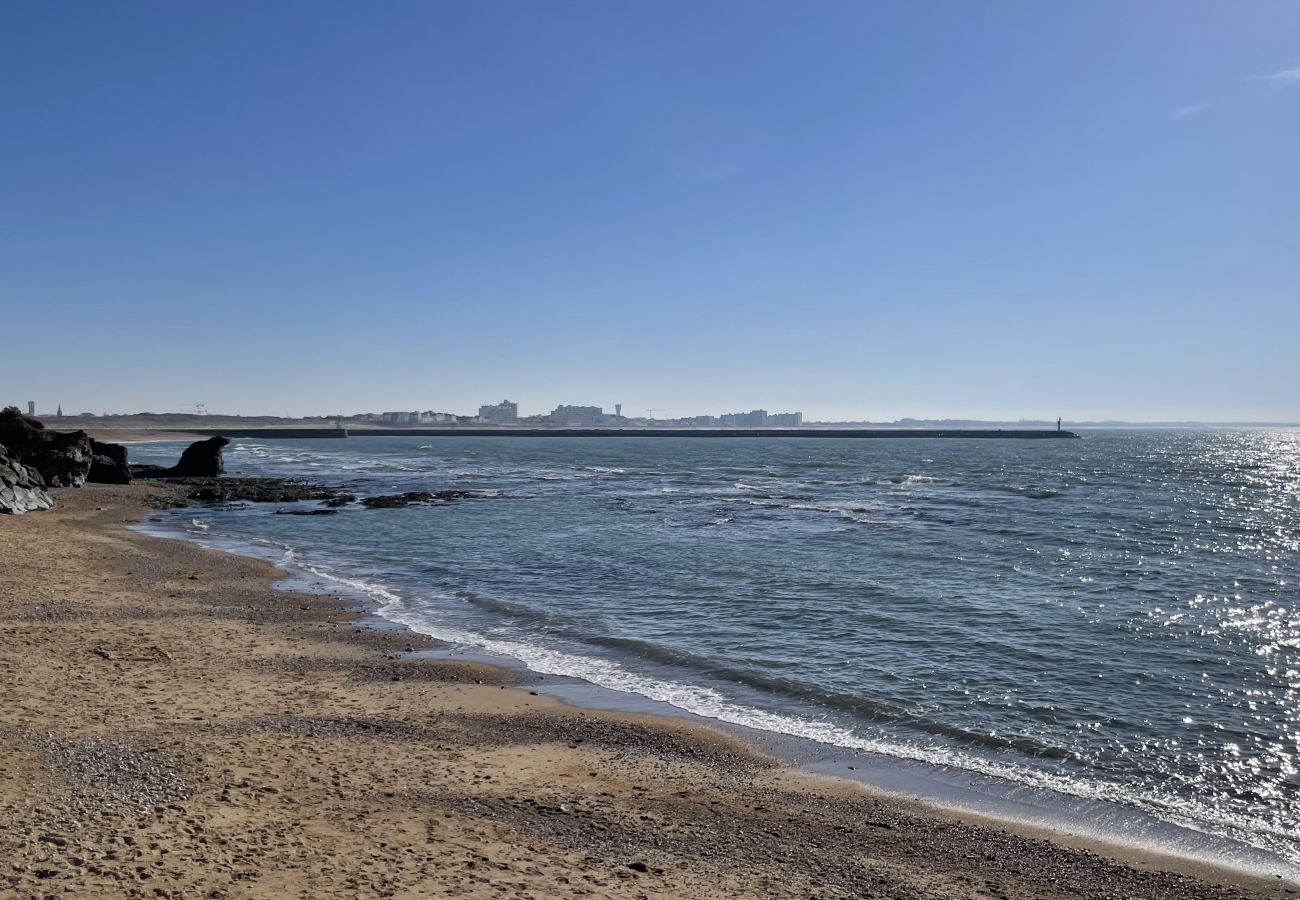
x: 172, y: 726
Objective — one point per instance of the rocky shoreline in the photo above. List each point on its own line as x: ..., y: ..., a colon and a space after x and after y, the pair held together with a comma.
x: 34, y: 459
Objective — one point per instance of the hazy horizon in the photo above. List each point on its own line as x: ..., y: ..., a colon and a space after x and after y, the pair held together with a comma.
x: 859, y: 211
x: 661, y: 415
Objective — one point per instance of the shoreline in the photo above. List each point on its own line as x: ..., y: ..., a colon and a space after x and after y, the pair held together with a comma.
x: 238, y: 653
x: 1121, y: 830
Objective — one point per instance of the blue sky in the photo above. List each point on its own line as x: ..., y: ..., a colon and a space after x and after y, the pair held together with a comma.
x: 853, y: 209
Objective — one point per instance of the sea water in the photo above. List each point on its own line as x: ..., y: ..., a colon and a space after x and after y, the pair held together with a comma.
x: 1116, y: 617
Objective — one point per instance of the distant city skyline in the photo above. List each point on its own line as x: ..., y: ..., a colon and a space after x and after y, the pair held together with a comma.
x: 745, y: 419
x: 866, y: 211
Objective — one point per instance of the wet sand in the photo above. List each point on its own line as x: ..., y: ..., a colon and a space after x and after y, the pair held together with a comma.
x: 172, y: 726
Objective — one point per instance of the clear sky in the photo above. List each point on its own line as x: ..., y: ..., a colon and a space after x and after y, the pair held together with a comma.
x: 856, y: 209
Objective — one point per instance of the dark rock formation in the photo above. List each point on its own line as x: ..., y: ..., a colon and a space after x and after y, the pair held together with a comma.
x: 108, y: 466
x: 307, y: 512
x: 62, y: 457
x: 392, y: 501
x: 21, y: 487
x: 252, y: 490
x: 201, y: 459
x: 340, y: 500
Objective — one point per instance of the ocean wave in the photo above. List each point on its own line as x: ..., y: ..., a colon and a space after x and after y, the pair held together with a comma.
x: 973, y: 546
x: 1276, y: 837
x: 914, y: 479
x: 1031, y: 491
x: 709, y: 703
x: 860, y: 513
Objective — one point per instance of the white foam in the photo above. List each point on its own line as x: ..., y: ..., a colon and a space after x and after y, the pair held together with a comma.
x: 709, y: 703
x: 915, y: 479
x: 1281, y: 840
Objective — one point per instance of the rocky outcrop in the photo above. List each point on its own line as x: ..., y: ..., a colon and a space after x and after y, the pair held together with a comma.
x: 21, y: 487
x: 62, y: 457
x: 201, y: 459
x: 393, y: 501
x: 108, y: 465
x: 253, y: 490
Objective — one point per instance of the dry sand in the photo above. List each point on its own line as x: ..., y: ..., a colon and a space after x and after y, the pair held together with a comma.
x: 173, y: 727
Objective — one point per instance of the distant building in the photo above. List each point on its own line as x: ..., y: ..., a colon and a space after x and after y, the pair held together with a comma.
x: 401, y: 418
x: 31, y: 408
x: 576, y: 415
x: 785, y: 420
x: 59, y: 413
x: 429, y: 417
x: 618, y: 410
x: 756, y: 418
x: 503, y: 413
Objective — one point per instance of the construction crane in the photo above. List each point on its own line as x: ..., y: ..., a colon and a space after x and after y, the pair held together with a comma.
x: 200, y: 409
x: 653, y: 411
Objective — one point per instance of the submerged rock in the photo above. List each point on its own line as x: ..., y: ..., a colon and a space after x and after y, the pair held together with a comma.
x: 392, y: 501
x: 242, y: 490
x: 253, y: 490
x: 340, y: 500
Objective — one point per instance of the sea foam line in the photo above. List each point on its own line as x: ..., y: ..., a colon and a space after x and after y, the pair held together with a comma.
x: 708, y: 703
x: 1186, y: 813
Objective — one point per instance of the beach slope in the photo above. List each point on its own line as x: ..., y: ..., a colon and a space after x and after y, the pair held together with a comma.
x: 172, y: 726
